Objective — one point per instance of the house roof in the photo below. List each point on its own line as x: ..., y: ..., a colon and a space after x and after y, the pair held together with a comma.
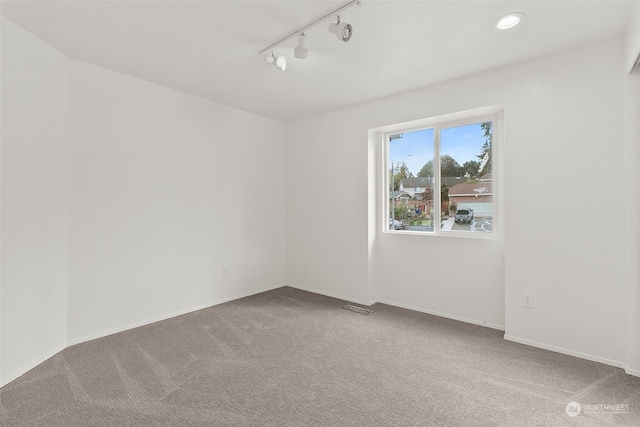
x: 396, y: 194
x: 472, y: 189
x: 417, y: 182
x: 452, y: 180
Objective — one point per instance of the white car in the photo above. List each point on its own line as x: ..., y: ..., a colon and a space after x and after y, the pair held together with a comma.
x: 394, y: 224
x: 464, y: 215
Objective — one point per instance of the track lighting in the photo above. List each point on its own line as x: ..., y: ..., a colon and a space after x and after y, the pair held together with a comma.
x: 280, y: 62
x: 341, y: 30
x: 301, y: 50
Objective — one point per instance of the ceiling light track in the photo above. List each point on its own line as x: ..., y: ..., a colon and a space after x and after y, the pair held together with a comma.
x: 311, y: 25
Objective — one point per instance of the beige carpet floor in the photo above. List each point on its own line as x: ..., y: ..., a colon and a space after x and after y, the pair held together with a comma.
x: 292, y: 358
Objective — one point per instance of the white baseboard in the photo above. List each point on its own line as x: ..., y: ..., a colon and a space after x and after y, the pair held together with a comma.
x: 561, y: 350
x: 332, y: 295
x: 29, y: 366
x: 445, y: 315
x: 395, y: 304
x: 568, y: 352
x: 26, y: 368
x: 123, y: 328
x: 633, y: 372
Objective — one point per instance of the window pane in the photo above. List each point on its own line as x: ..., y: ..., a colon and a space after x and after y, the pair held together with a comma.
x: 411, y: 201
x: 466, y: 177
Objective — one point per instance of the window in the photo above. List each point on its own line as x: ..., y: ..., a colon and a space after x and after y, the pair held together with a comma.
x: 440, y: 177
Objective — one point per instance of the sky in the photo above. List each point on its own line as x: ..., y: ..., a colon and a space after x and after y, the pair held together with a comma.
x: 462, y: 143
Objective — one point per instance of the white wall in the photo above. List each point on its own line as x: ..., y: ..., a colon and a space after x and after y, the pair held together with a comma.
x: 120, y: 204
x: 327, y: 206
x: 633, y: 193
x: 155, y: 210
x: 572, y: 122
x: 564, y: 145
x: 148, y: 217
x: 332, y: 246
x: 34, y: 225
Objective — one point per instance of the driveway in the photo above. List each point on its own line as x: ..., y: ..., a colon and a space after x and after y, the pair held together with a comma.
x: 478, y: 224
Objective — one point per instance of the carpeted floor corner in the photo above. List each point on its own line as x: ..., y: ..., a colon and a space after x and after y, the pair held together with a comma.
x: 293, y: 358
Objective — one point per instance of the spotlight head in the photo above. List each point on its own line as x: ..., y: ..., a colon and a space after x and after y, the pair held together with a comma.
x: 280, y: 62
x: 301, y: 50
x: 343, y: 30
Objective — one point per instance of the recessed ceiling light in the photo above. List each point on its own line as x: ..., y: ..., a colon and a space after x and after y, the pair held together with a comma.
x: 509, y: 21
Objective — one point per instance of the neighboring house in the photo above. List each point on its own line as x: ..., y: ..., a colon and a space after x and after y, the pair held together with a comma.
x: 476, y: 195
x: 450, y: 181
x: 415, y: 186
x: 400, y: 198
x: 400, y: 195
x: 486, y: 178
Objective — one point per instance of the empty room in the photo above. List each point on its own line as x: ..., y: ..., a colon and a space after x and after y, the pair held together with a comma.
x: 320, y: 213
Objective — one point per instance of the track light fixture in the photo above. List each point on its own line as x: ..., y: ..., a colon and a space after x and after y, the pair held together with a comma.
x: 280, y: 62
x: 342, y: 30
x: 301, y: 50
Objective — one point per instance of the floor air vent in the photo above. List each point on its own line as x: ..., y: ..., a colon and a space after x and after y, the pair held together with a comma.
x: 358, y: 310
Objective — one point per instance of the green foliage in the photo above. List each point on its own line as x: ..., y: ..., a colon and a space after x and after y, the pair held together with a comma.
x: 444, y: 192
x: 471, y: 167
x: 400, y: 172
x: 427, y: 194
x: 449, y: 166
x: 486, y: 147
x: 427, y: 170
x: 401, y: 213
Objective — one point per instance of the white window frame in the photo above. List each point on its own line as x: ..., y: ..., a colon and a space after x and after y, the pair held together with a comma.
x: 493, y: 114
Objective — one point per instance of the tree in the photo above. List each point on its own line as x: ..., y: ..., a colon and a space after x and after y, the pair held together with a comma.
x: 449, y: 166
x: 400, y: 172
x: 471, y: 167
x: 427, y: 198
x: 427, y: 194
x: 486, y: 148
x: 401, y: 213
x: 452, y: 208
x: 444, y: 192
x: 427, y: 170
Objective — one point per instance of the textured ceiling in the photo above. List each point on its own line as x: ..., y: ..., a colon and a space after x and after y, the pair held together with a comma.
x: 209, y: 48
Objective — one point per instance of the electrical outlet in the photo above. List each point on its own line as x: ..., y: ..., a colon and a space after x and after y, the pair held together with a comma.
x: 527, y: 299
x: 225, y: 270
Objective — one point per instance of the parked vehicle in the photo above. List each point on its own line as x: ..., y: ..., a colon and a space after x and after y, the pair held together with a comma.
x: 394, y: 224
x: 464, y: 215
